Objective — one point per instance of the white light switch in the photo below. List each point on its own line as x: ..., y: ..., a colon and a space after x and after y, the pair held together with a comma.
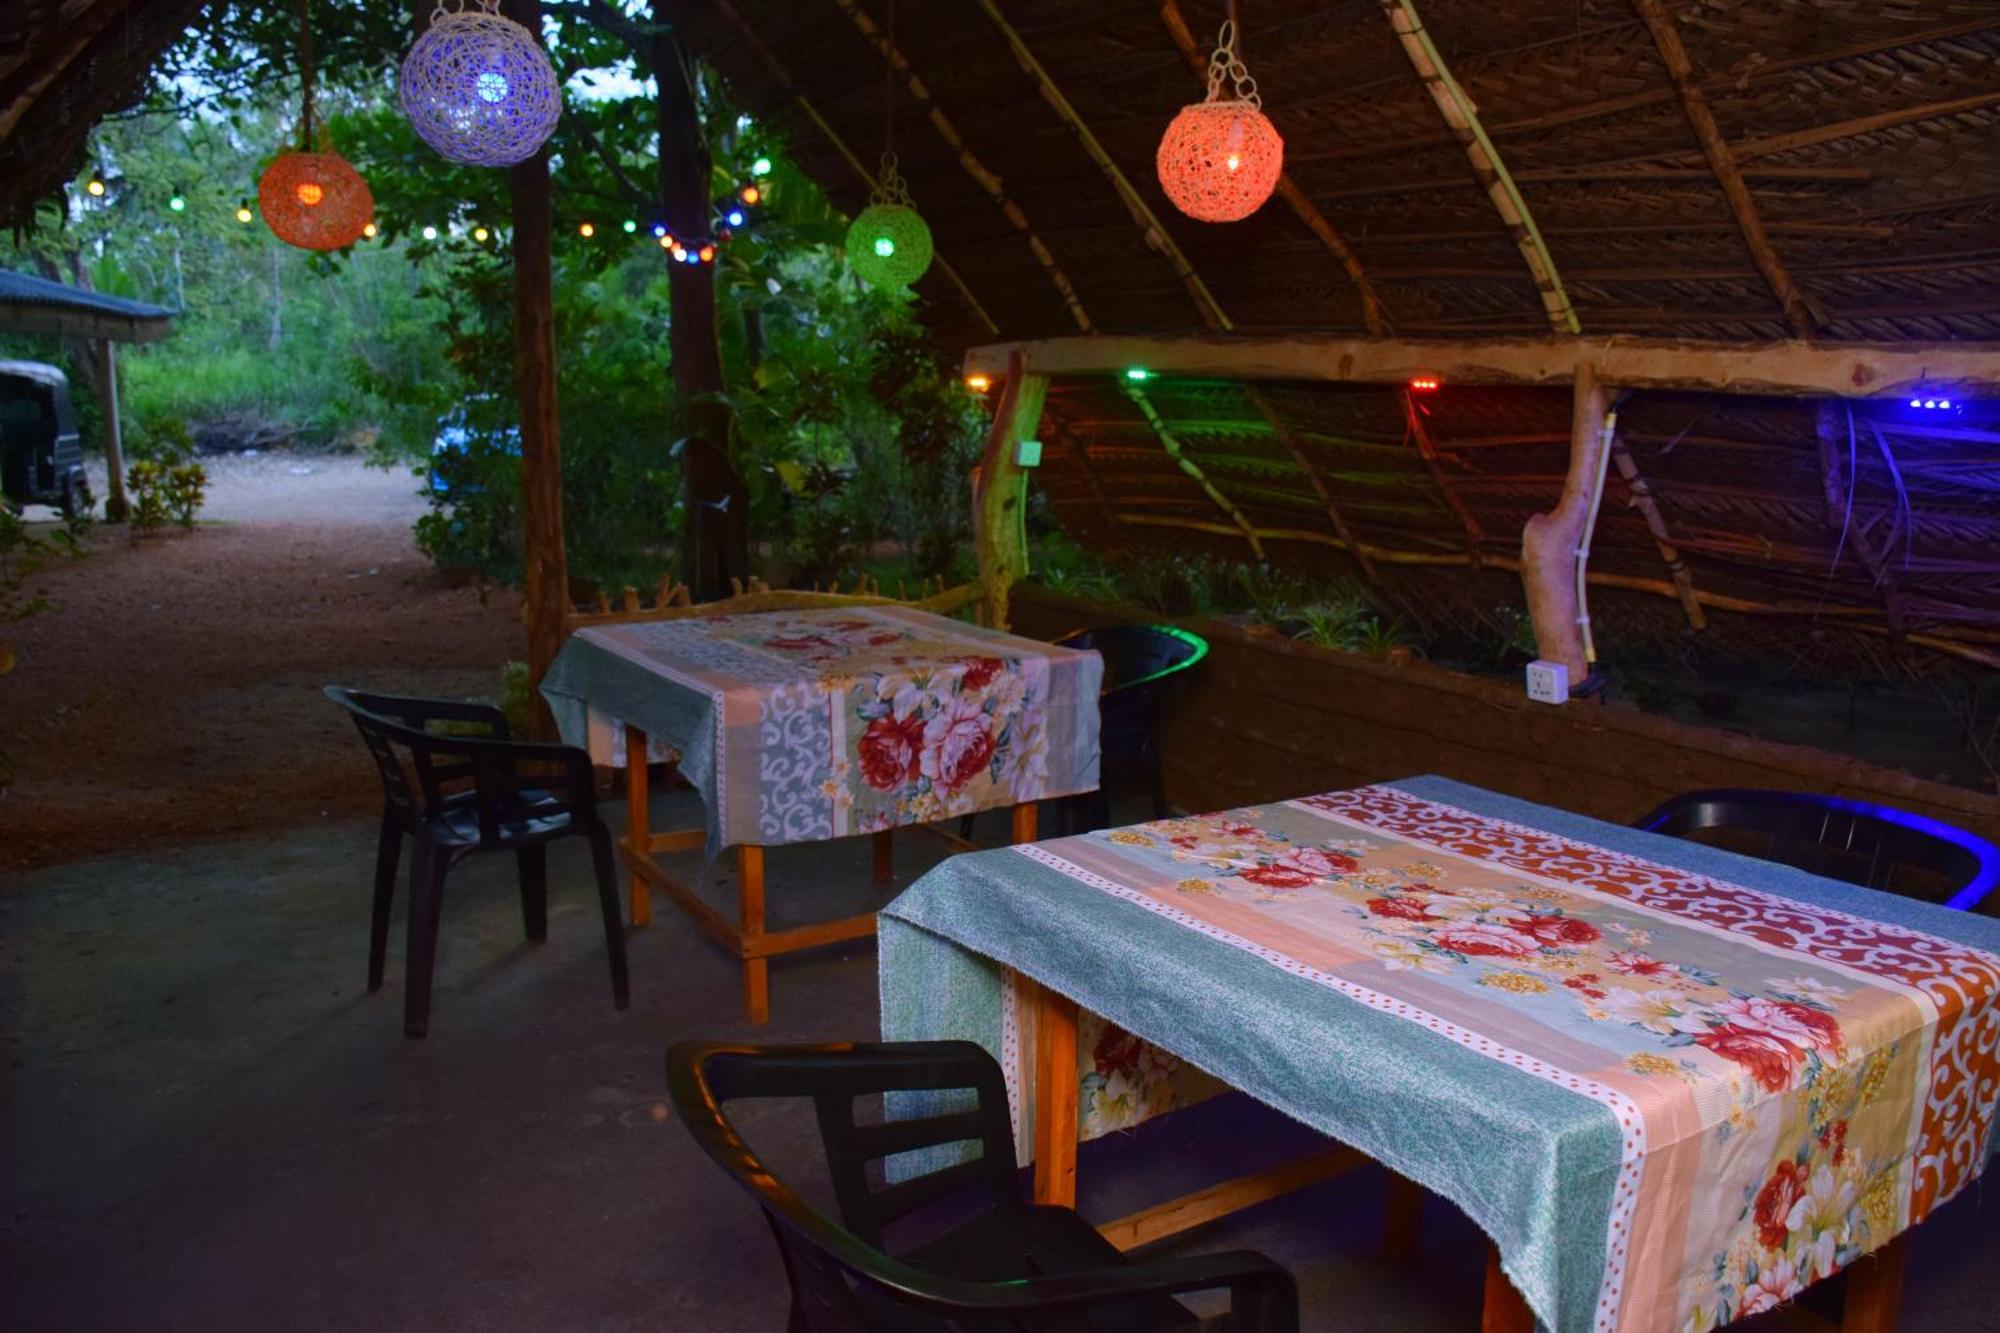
x: 1028, y: 453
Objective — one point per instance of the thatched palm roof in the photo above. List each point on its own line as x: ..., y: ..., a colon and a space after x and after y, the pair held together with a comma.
x: 1726, y: 170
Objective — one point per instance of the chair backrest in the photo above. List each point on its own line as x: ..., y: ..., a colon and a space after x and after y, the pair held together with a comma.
x: 420, y: 768
x: 1872, y: 845
x: 1139, y: 655
x: 831, y: 1264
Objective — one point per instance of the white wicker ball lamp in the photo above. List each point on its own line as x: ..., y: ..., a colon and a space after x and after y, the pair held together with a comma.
x: 479, y: 88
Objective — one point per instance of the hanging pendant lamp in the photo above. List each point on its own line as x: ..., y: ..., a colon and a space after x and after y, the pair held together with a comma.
x: 889, y: 243
x: 1221, y: 157
x: 313, y: 198
x: 479, y: 88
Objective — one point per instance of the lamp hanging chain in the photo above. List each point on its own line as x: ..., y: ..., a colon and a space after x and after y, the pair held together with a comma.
x: 889, y: 185
x: 1225, y: 66
x: 306, y: 76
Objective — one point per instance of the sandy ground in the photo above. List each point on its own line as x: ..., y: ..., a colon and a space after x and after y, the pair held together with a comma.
x: 173, y: 690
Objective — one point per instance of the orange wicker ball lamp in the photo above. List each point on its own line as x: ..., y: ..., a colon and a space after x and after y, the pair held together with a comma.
x: 1221, y: 157
x: 315, y: 201
x: 313, y: 198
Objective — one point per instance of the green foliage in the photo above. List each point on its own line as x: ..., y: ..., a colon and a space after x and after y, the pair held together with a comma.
x: 162, y: 491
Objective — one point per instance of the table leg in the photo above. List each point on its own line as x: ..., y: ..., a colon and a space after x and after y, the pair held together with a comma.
x: 1024, y: 822
x: 1402, y: 1217
x: 1875, y: 1290
x: 885, y: 858
x: 1055, y: 1094
x: 750, y: 921
x: 1505, y: 1311
x: 638, y: 820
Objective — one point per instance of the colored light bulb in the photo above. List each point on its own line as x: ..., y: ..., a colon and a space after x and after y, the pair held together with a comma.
x: 430, y: 233
x: 309, y: 193
x: 586, y: 230
x: 630, y: 226
x: 884, y: 247
x: 178, y: 204
x: 491, y: 85
x: 243, y: 213
x: 761, y: 167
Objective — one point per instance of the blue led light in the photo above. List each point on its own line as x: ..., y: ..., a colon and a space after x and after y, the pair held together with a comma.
x: 660, y: 229
x: 735, y: 217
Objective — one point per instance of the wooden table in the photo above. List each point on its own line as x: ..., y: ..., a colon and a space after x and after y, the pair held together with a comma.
x: 805, y: 726
x: 1599, y: 1043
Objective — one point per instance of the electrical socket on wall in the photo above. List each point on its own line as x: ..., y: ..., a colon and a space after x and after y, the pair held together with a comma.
x: 1028, y: 453
x: 1548, y: 682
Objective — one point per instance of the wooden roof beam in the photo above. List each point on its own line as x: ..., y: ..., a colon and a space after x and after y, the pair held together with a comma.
x: 1193, y: 469
x: 986, y: 179
x: 1156, y: 233
x: 1463, y: 118
x: 783, y: 78
x: 1694, y: 103
x: 1795, y: 368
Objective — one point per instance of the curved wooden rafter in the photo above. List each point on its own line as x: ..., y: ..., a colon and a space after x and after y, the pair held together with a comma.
x: 1174, y: 451
x: 784, y: 80
x: 1308, y: 213
x: 1728, y: 173
x: 1463, y: 119
x: 987, y: 180
x: 1155, y: 231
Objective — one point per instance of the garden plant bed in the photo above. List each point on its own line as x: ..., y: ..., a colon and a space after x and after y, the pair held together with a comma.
x: 1266, y: 717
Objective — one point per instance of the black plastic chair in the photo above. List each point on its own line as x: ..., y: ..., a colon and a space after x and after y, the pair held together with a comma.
x: 1138, y: 662
x: 460, y: 793
x: 1012, y: 1265
x: 1872, y: 845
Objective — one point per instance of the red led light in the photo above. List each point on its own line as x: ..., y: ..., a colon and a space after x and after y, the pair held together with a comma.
x: 1424, y: 383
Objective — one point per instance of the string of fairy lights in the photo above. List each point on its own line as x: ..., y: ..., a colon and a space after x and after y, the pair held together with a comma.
x: 739, y: 210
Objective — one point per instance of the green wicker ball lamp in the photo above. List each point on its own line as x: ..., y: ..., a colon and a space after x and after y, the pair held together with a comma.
x: 889, y: 243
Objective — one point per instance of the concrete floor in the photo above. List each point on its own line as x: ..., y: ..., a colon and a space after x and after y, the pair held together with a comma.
x: 210, y: 1124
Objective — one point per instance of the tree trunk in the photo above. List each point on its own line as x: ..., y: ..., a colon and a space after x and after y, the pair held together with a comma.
x: 545, y: 566
x: 276, y: 334
x: 116, y: 508
x: 1550, y: 541
x: 717, y: 547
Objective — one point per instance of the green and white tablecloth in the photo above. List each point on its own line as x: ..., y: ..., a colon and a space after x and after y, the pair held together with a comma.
x: 797, y: 726
x: 1673, y: 1084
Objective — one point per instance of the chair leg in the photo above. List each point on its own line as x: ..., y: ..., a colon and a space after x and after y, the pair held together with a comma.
x: 428, y: 866
x: 614, y: 925
x: 534, y: 867
x: 388, y: 856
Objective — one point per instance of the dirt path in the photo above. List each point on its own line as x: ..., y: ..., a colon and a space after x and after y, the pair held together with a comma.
x: 173, y: 692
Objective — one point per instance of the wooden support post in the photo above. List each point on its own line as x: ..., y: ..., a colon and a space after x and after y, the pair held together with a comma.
x: 1503, y: 1310
x: 116, y: 506
x: 1648, y: 506
x: 750, y: 925
x: 545, y: 566
x: 1024, y: 821
x: 1402, y: 1217
x: 1230, y: 1196
x: 999, y: 496
x: 1055, y: 1098
x: 1549, y: 542
x: 638, y: 822
x: 1875, y: 1289
x: 885, y: 857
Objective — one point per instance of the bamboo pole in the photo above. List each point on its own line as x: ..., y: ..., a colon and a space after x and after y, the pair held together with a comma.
x: 1325, y: 493
x: 1656, y: 523
x: 784, y: 80
x: 986, y: 179
x: 1193, y: 469
x: 1308, y: 213
x: 1156, y: 233
x: 1428, y: 452
x: 1721, y: 161
x: 1463, y: 119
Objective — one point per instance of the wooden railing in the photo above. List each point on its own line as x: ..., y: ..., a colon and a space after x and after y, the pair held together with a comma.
x: 671, y: 600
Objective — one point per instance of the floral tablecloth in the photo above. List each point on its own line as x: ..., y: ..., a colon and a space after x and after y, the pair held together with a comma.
x: 1673, y: 1084
x: 798, y: 726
